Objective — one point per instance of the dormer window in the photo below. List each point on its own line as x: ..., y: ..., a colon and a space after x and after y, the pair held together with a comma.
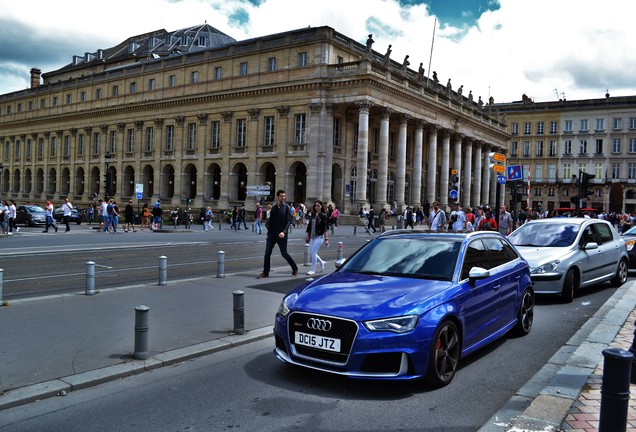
x: 184, y: 40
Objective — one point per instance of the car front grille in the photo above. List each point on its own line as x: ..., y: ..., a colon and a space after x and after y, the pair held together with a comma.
x: 342, y: 329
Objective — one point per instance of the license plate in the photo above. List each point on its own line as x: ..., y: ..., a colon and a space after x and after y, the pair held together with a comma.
x: 315, y: 341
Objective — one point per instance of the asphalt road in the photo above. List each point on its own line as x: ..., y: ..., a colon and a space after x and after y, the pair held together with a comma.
x: 247, y: 388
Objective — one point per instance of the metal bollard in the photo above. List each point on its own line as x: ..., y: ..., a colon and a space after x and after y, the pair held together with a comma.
x: 220, y: 265
x: 355, y: 228
x: 1, y: 283
x: 163, y: 270
x: 90, y: 278
x: 239, y: 312
x: 307, y: 255
x: 615, y: 390
x: 219, y: 226
x: 141, y: 332
x: 340, y: 251
x: 632, y: 349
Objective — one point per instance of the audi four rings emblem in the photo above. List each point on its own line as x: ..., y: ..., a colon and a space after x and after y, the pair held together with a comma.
x: 319, y: 324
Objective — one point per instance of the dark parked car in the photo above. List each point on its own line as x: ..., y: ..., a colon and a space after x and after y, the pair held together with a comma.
x: 76, y: 217
x: 406, y: 305
x: 30, y: 215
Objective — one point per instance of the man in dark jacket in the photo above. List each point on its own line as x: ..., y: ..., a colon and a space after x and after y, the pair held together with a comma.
x: 280, y: 219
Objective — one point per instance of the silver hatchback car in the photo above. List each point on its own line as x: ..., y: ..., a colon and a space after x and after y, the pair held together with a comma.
x: 566, y: 254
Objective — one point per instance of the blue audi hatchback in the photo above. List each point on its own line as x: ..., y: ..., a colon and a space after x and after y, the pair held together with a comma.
x: 408, y: 304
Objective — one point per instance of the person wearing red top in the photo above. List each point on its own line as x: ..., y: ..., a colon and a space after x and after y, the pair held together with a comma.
x: 488, y: 223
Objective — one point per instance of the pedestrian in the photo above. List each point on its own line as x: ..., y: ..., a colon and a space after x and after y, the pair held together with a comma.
x: 470, y: 217
x: 409, y: 218
x: 488, y: 223
x: 316, y: 233
x: 235, y: 225
x: 4, y: 211
x: 505, y: 221
x: 207, y: 223
x: 110, y: 216
x: 437, y: 218
x: 129, y: 217
x: 370, y: 221
x: 145, y: 216
x: 478, y: 218
x: 157, y: 212
x: 103, y: 211
x: 258, y: 219
x: 384, y: 216
x: 458, y: 219
x: 48, y: 213
x: 115, y: 216
x: 267, y: 214
x: 67, y: 208
x: 280, y: 219
x: 91, y: 213
x: 334, y: 216
x: 12, y: 224
x: 242, y: 215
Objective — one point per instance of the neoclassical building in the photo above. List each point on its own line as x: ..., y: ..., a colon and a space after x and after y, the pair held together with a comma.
x: 194, y: 115
x: 555, y: 141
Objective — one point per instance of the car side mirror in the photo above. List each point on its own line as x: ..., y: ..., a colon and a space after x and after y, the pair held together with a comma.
x: 590, y: 246
x: 477, y: 273
x: 340, y: 262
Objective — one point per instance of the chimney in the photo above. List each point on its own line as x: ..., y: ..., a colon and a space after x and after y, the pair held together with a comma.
x: 35, y: 77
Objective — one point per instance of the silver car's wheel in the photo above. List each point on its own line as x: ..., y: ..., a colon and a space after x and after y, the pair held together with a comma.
x: 621, y: 274
x: 569, y: 285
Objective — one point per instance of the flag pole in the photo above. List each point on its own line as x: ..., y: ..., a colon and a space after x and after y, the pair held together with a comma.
x: 430, y: 59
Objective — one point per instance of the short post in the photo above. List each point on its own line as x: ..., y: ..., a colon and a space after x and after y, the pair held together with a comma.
x: 163, y: 270
x: 307, y: 255
x: 90, y: 278
x: 1, y: 283
x: 355, y: 228
x: 615, y: 390
x: 141, y: 332
x: 632, y: 349
x: 220, y: 265
x: 219, y: 226
x: 239, y: 311
x: 340, y: 251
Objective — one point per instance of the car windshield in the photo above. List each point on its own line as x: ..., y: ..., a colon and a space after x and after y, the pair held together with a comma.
x: 545, y: 234
x: 424, y: 258
x: 631, y: 231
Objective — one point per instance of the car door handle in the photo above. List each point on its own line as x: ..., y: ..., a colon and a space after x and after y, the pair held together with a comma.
x: 496, y: 287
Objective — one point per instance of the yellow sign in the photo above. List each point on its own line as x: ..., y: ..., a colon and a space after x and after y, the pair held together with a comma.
x: 499, y: 168
x: 498, y: 157
x: 454, y: 172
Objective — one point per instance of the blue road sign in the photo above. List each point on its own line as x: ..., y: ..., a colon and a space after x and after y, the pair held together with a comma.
x: 501, y: 179
x: 452, y: 194
x: 515, y: 172
x: 139, y: 195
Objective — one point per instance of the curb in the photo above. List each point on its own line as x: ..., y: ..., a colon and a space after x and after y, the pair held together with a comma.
x: 61, y: 386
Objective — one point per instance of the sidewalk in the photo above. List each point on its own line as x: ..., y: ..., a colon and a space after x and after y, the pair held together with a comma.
x: 67, y: 342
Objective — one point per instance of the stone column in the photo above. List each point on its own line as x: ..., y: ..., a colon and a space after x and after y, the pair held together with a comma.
x: 444, y: 175
x: 476, y: 195
x: 416, y: 178
x: 468, y: 163
x: 328, y: 155
x: 431, y: 179
x: 315, y: 149
x: 485, y: 175
x: 400, y: 171
x: 383, y: 159
x: 226, y: 146
x: 363, y: 152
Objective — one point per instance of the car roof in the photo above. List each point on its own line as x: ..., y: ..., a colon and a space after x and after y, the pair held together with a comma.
x: 449, y: 235
x: 568, y: 220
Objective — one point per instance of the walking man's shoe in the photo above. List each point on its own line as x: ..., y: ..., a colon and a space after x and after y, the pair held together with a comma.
x: 294, y: 273
x: 262, y: 275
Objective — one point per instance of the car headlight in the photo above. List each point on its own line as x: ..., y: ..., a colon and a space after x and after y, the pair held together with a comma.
x: 396, y: 325
x: 630, y: 244
x: 284, y: 309
x: 547, y: 267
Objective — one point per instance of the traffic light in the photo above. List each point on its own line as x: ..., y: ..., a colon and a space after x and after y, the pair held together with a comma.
x: 108, y: 183
x: 585, y: 184
x: 453, y: 180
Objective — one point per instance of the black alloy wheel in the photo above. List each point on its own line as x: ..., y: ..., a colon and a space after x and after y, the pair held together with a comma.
x: 526, y: 314
x: 444, y: 356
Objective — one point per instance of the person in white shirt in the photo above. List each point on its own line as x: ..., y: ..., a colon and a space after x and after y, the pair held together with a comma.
x: 66, y: 208
x: 437, y: 218
x: 12, y: 218
x: 459, y: 218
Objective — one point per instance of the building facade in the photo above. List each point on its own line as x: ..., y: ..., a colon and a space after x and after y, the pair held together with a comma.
x: 193, y: 116
x: 554, y: 142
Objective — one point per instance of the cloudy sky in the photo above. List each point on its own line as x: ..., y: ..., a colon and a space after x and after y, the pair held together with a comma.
x: 499, y: 48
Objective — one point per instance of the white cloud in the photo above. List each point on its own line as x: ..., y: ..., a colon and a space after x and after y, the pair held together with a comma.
x: 579, y: 47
